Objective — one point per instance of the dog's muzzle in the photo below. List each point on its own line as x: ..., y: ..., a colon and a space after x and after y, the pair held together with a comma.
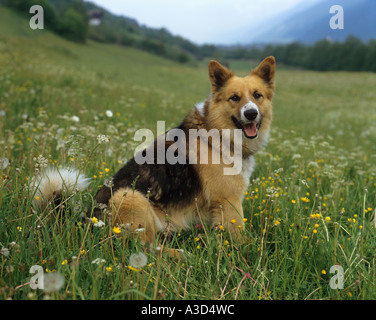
x: 250, y: 120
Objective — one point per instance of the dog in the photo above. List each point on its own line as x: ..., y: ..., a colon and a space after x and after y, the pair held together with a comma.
x: 154, y: 197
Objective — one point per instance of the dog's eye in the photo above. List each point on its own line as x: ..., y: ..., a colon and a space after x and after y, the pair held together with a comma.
x: 257, y: 95
x: 235, y: 98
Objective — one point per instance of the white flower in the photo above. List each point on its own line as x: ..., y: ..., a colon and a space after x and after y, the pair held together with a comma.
x: 109, y: 113
x: 53, y: 282
x: 75, y: 119
x: 98, y: 261
x: 138, y: 260
x: 102, y: 138
x: 4, y: 162
x: 99, y: 224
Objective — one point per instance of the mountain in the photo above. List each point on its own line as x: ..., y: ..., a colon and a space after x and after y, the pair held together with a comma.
x: 308, y: 24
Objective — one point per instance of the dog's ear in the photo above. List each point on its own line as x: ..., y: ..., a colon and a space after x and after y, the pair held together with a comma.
x: 218, y: 75
x: 266, y: 70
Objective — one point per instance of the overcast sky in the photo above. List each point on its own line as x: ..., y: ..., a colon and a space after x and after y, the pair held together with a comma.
x: 202, y: 21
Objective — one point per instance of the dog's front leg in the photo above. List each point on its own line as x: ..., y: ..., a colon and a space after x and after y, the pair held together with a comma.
x: 228, y: 214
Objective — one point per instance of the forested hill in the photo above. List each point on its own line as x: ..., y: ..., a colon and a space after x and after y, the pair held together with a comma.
x: 72, y: 19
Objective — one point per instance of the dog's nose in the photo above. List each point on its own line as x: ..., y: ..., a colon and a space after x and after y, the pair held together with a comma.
x: 251, y: 114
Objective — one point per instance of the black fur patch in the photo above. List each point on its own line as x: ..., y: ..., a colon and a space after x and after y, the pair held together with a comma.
x: 170, y: 185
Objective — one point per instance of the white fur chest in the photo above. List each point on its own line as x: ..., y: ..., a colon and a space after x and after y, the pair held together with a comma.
x: 248, y: 166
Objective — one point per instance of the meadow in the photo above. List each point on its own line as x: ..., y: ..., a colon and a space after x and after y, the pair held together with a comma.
x: 310, y: 204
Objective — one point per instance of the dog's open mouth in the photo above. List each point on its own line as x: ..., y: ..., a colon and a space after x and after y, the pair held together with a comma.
x: 250, y: 130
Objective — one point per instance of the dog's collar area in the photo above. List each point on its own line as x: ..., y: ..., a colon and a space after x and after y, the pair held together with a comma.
x: 248, y: 128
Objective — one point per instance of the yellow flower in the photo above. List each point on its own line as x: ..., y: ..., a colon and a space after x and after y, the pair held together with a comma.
x: 233, y: 221
x: 197, y: 239
x: 116, y: 230
x: 327, y: 219
x: 109, y: 268
x: 221, y: 227
x: 293, y: 201
x: 64, y: 262
x: 316, y: 225
x: 107, y: 170
x: 37, y: 198
x: 245, y: 219
x: 305, y: 199
x: 314, y: 231
x: 323, y: 271
x: 134, y: 269
x: 226, y: 243
x: 94, y: 220
x: 19, y: 228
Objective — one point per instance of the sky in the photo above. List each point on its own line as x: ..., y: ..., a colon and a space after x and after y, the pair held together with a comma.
x: 202, y: 21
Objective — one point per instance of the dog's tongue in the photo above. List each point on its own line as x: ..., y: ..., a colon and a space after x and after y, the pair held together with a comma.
x: 250, y: 129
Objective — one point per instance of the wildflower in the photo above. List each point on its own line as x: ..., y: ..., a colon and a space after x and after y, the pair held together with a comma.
x: 109, y: 113
x: 293, y: 201
x: 75, y: 119
x: 116, y: 230
x: 107, y: 170
x: 134, y: 269
x: 314, y: 231
x: 98, y: 261
x: 316, y: 225
x: 64, y: 262
x: 94, y: 220
x: 53, y: 282
x: 221, y: 227
x: 197, y: 239
x: 323, y: 272
x: 102, y: 138
x: 37, y: 198
x: 4, y: 163
x: 305, y: 199
x: 233, y: 221
x: 109, y: 269
x: 327, y: 219
x: 98, y: 224
x: 19, y: 228
x: 245, y: 219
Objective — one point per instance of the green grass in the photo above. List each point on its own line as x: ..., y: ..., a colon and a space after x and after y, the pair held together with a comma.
x: 309, y: 206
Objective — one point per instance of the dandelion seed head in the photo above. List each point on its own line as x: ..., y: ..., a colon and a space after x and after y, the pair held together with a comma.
x: 138, y: 260
x: 53, y: 282
x: 4, y: 163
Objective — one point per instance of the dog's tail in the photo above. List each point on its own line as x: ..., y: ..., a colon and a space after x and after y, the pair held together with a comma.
x: 55, y: 184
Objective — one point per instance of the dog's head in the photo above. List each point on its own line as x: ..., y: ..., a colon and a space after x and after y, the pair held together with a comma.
x: 242, y: 103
